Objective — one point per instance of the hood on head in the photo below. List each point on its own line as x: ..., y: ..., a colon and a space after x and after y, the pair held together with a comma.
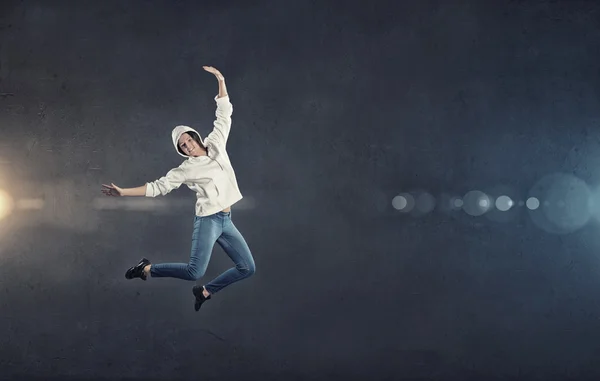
x: 176, y: 134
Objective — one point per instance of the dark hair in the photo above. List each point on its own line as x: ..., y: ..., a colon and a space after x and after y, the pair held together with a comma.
x: 194, y: 136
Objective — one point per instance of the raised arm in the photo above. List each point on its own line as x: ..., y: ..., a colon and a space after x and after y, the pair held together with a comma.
x: 222, y: 123
x: 220, y: 78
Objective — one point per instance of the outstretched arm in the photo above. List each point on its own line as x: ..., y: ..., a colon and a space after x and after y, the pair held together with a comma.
x: 172, y: 180
x: 222, y: 123
x: 113, y: 190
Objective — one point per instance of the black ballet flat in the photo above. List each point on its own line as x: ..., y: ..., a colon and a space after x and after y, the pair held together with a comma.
x: 200, y: 298
x: 137, y: 271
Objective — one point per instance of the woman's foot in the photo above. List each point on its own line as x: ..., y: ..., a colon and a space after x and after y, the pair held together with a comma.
x: 141, y: 270
x: 201, y: 296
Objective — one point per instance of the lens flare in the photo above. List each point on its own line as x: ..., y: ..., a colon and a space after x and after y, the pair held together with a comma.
x: 6, y: 204
x: 504, y: 203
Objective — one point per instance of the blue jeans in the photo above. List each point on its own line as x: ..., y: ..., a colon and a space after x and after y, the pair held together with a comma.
x: 208, y: 230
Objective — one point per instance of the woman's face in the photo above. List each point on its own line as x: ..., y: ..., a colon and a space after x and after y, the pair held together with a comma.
x: 189, y: 146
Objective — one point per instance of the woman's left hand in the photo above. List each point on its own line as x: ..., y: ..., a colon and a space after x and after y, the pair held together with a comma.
x: 214, y: 71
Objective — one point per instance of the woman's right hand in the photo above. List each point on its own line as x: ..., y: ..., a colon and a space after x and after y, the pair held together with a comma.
x: 112, y: 190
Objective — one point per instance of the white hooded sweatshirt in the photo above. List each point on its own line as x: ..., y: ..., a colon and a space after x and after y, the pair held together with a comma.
x: 212, y: 177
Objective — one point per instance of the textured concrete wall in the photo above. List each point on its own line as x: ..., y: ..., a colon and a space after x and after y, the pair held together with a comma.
x: 337, y: 109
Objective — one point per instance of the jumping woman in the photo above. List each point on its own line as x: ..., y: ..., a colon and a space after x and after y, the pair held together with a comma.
x: 208, y: 172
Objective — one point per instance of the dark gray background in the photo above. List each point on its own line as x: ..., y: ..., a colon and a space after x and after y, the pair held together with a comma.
x: 338, y: 106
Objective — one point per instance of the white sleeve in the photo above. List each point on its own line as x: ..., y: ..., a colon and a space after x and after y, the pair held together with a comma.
x: 172, y: 180
x: 222, y: 123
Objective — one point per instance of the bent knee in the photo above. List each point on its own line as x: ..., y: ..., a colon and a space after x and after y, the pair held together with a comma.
x: 248, y: 269
x: 194, y: 273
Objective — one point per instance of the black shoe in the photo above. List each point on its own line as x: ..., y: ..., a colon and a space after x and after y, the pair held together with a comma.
x: 137, y: 271
x: 200, y: 298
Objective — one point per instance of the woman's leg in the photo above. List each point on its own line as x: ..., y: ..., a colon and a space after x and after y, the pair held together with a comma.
x: 235, y: 246
x: 206, y: 232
